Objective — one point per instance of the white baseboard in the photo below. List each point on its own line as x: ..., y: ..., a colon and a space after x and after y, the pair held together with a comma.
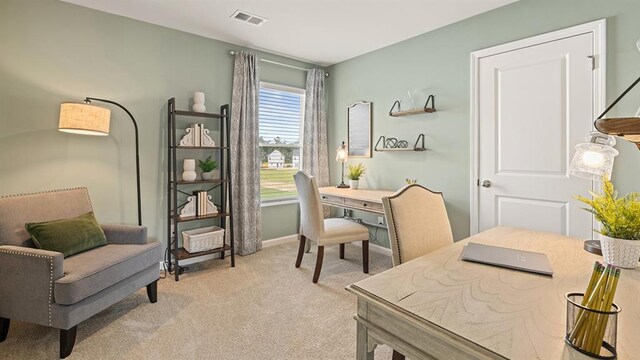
x: 292, y: 238
x: 375, y: 248
x: 191, y: 261
x: 280, y: 240
x: 265, y: 243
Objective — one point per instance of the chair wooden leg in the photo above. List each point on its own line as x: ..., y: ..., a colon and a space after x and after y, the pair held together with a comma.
x: 4, y: 328
x: 67, y: 341
x: 365, y: 256
x: 397, y: 356
x: 303, y: 240
x: 316, y: 274
x: 152, y: 292
x: 341, y: 251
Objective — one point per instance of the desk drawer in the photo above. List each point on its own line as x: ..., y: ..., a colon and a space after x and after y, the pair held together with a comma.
x: 332, y: 199
x: 364, y: 205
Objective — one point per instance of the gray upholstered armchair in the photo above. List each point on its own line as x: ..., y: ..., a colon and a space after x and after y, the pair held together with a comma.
x: 44, y: 288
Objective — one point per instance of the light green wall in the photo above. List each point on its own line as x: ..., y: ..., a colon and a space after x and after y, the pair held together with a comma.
x: 438, y: 62
x: 53, y: 52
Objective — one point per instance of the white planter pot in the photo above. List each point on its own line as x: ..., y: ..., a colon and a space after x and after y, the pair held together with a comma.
x: 210, y: 175
x: 620, y: 252
x: 354, y: 184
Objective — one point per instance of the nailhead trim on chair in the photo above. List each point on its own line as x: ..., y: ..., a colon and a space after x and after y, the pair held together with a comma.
x: 50, y: 272
x: 392, y: 217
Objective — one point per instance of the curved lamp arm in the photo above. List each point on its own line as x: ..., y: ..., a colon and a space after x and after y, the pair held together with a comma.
x: 627, y: 127
x: 135, y: 126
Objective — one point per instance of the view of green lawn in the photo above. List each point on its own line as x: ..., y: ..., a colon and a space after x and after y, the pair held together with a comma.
x: 277, y: 183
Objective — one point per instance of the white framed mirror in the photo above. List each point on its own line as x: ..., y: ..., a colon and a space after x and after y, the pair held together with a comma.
x: 359, y: 129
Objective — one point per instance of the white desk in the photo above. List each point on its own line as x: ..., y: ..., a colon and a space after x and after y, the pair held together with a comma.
x: 361, y: 199
x: 438, y: 307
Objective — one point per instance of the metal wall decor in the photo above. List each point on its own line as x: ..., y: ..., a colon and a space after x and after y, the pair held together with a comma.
x: 393, y: 144
x: 359, y: 130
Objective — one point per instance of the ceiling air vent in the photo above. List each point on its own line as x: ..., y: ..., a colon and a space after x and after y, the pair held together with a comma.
x: 248, y: 18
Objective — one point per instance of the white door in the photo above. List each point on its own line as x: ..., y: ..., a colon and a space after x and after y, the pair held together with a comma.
x: 534, y: 104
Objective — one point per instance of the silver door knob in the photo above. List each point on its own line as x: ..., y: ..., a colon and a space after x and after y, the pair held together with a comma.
x: 486, y: 183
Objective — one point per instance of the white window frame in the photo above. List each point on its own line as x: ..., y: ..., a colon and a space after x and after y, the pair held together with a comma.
x: 303, y: 94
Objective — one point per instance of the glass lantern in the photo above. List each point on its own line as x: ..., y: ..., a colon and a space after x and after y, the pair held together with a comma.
x: 594, y: 158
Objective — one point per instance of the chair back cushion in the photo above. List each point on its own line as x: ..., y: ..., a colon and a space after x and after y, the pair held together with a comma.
x: 417, y: 221
x: 311, y: 217
x: 17, y: 210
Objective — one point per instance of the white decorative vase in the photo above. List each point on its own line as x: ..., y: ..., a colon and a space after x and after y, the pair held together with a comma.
x: 189, y: 170
x: 620, y: 252
x: 354, y: 184
x: 198, y: 102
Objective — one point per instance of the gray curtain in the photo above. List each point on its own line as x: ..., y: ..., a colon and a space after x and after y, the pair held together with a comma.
x: 244, y: 154
x: 315, y: 160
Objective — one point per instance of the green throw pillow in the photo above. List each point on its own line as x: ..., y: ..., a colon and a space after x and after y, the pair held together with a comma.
x: 68, y: 236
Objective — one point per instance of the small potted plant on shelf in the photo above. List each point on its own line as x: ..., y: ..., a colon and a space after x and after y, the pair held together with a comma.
x: 208, y: 167
x: 354, y: 173
x: 620, y: 219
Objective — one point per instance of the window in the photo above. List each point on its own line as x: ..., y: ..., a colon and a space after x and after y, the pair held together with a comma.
x: 280, y: 122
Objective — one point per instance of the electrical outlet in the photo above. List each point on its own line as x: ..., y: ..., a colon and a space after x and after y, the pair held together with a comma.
x: 380, y: 220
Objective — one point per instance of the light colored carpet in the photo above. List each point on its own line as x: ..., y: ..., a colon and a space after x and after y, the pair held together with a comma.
x: 264, y: 308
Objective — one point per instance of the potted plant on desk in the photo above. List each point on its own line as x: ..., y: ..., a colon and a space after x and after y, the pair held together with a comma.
x: 208, y: 166
x: 354, y: 173
x: 620, y: 219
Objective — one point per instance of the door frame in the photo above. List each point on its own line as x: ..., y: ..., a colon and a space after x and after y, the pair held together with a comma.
x: 597, y: 28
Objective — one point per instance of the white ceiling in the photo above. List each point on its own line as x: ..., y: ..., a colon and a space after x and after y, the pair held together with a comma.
x: 324, y: 32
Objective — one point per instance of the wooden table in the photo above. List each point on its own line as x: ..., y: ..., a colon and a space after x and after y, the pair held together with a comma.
x: 361, y: 199
x: 439, y: 307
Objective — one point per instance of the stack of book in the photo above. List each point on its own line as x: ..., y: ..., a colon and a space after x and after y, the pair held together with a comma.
x: 197, y: 134
x: 201, y: 202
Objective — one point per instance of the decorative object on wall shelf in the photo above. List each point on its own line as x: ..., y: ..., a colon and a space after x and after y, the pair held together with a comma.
x: 393, y: 144
x: 197, y: 135
x: 426, y: 109
x: 192, y: 207
x: 198, y: 102
x: 189, y: 170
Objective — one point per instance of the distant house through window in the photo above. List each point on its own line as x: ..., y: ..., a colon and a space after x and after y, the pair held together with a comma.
x: 281, y: 114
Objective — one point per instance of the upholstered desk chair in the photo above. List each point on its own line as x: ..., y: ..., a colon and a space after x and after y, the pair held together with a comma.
x: 324, y: 232
x: 418, y: 224
x: 45, y: 288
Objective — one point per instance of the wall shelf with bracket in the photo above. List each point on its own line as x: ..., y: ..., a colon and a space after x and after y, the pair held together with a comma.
x: 426, y: 109
x: 393, y: 144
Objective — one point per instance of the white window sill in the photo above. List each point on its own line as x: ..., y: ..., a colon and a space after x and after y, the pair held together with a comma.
x: 279, y: 202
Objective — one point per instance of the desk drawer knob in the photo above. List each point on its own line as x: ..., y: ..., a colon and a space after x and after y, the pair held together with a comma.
x: 365, y: 204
